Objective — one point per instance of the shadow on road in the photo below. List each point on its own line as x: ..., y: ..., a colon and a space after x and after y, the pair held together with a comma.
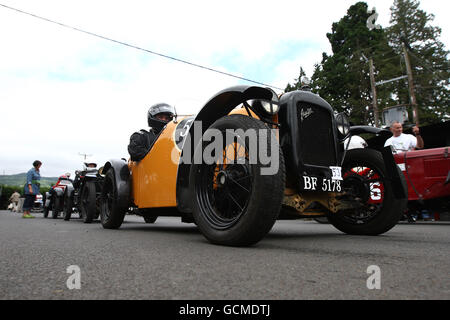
x: 188, y: 229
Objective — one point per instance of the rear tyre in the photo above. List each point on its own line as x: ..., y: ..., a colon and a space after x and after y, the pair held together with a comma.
x: 88, y: 201
x: 366, y: 185
x: 234, y: 203
x: 111, y: 213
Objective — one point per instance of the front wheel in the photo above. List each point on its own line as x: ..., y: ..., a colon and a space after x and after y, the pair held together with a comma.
x: 235, y: 202
x: 88, y: 201
x: 46, y: 208
x: 111, y: 213
x: 56, y: 208
x: 374, y: 208
x: 68, y: 207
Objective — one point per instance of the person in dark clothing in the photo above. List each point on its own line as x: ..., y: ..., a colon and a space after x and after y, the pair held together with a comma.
x: 31, y: 188
x: 141, y: 142
x: 159, y: 115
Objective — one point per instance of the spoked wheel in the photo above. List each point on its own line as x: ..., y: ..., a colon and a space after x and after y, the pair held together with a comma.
x: 374, y: 210
x: 111, y: 213
x: 88, y: 201
x: 235, y: 204
x: 225, y: 192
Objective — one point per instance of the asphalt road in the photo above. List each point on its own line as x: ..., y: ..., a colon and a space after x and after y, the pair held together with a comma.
x: 172, y: 260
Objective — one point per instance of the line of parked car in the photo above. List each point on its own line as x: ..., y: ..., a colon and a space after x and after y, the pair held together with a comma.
x: 80, y: 195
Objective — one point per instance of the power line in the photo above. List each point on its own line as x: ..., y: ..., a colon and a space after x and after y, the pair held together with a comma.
x: 139, y: 48
x: 363, y: 62
x: 424, y: 64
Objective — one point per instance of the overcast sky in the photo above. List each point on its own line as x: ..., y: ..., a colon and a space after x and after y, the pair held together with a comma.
x: 63, y: 92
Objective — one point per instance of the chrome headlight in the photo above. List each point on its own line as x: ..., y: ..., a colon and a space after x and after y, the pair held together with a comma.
x: 343, y: 124
x: 273, y: 106
x: 270, y: 107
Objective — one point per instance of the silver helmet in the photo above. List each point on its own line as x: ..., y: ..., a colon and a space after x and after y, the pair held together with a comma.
x: 159, y: 108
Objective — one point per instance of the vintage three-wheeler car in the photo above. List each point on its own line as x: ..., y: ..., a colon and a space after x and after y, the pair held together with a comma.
x: 53, y: 200
x: 249, y: 158
x: 83, y: 195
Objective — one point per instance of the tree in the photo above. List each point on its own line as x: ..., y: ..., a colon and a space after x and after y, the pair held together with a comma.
x: 412, y: 27
x: 298, y: 82
x: 7, y: 191
x: 343, y: 78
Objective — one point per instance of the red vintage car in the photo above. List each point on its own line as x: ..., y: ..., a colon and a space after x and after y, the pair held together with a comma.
x: 54, y: 199
x: 427, y: 174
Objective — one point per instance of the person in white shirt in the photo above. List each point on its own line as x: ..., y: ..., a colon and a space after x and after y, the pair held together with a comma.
x: 15, y: 200
x: 404, y: 142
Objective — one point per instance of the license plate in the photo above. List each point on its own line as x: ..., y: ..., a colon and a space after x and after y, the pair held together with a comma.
x: 321, y: 184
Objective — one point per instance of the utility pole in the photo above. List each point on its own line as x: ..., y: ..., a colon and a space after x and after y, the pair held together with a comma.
x: 374, y: 89
x: 411, y: 86
x: 374, y: 92
x: 85, y: 155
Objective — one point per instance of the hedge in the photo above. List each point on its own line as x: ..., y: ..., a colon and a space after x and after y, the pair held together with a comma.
x: 7, y: 191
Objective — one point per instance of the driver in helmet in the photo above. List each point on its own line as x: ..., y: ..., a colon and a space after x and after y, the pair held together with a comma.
x: 65, y: 176
x: 52, y: 191
x: 159, y: 115
x: 141, y: 142
x: 90, y: 165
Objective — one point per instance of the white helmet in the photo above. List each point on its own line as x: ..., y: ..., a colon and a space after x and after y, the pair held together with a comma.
x: 356, y: 142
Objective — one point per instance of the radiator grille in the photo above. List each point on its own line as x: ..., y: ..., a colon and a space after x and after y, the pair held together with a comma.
x: 316, y: 139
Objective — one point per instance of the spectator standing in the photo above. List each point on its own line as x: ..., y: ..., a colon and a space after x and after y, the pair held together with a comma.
x: 15, y: 200
x: 31, y: 188
x: 404, y: 142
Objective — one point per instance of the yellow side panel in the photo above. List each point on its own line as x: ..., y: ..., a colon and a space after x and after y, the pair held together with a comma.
x: 154, y: 178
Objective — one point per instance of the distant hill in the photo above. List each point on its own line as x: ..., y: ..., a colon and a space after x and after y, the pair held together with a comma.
x: 20, y: 179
